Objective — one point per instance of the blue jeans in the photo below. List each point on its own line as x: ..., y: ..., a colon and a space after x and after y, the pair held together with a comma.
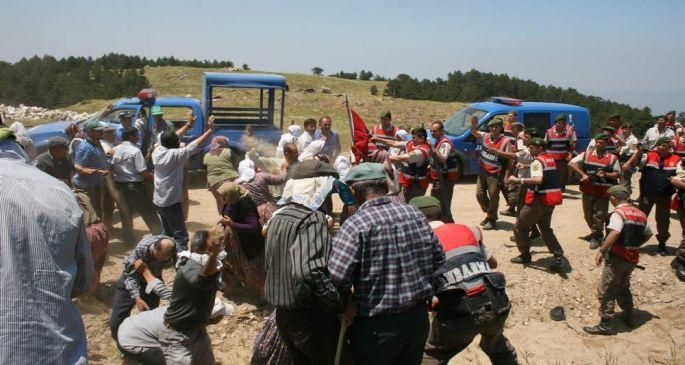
x: 174, y: 225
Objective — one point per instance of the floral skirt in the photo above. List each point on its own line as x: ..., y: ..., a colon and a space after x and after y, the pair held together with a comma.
x: 98, y: 237
x: 269, y: 348
x: 250, y: 273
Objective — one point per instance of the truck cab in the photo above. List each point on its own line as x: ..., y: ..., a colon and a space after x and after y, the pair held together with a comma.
x: 532, y: 114
x: 236, y: 100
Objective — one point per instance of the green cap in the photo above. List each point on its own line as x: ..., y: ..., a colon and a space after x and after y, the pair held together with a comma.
x: 671, y: 112
x: 615, y: 116
x: 560, y: 117
x: 93, y: 125
x: 386, y: 114
x: 425, y: 202
x: 609, y: 128
x: 516, y: 124
x: 619, y: 192
x: 366, y: 171
x: 536, y: 142
x: 531, y: 131
x: 601, y: 136
x: 663, y: 140
x: 627, y: 125
x: 660, y: 117
x: 495, y: 122
x: 156, y: 110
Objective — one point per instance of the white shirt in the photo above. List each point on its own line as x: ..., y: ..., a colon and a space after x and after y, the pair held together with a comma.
x: 304, y: 140
x: 536, y: 168
x: 128, y: 163
x: 653, y: 134
x: 524, y: 157
x: 630, y: 147
x: 444, y: 150
x: 169, y: 173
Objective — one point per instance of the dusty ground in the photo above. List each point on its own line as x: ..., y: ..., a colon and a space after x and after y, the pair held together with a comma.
x: 660, y: 338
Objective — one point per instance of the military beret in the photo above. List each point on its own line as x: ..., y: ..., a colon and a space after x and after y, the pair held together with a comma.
x: 366, y: 171
x: 608, y: 128
x: 425, y: 202
x: 536, y: 142
x: 601, y: 136
x: 627, y: 125
x: 663, y: 140
x: 619, y: 191
x: 516, y: 124
x: 386, y: 114
x: 531, y: 131
x: 312, y: 168
x: 57, y: 141
x: 615, y: 116
x: 671, y: 112
x: 495, y: 122
x: 560, y: 117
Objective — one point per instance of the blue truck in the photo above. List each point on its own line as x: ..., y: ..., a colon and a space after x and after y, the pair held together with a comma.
x: 532, y: 114
x: 267, y: 107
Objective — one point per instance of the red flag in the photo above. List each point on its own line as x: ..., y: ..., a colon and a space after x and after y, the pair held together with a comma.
x: 360, y: 137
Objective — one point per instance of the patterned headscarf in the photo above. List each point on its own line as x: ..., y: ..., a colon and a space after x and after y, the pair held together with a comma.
x: 218, y: 144
x: 231, y: 193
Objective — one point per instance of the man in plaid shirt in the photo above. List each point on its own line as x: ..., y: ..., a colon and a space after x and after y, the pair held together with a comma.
x: 156, y: 252
x: 388, y: 252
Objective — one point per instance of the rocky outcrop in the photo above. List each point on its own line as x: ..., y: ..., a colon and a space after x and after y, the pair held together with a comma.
x: 33, y: 113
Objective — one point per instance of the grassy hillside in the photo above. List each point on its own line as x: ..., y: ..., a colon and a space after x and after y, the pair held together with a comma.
x: 185, y: 81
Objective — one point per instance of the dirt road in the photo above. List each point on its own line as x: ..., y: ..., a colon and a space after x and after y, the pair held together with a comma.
x: 659, y: 296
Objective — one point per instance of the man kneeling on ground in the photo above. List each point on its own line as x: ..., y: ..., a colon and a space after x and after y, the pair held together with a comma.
x: 138, y: 335
x: 184, y: 337
x: 470, y: 296
x: 156, y: 252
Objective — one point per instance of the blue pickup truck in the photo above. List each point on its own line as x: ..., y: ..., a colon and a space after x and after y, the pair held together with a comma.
x: 268, y: 106
x: 532, y: 114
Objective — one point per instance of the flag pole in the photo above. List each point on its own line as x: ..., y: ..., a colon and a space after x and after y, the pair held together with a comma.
x: 351, y: 124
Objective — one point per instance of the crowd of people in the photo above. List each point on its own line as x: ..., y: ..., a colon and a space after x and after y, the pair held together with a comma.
x: 398, y: 281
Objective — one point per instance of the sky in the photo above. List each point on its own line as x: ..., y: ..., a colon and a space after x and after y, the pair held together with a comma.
x: 629, y: 51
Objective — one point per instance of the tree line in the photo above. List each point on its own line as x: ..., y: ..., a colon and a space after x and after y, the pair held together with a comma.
x: 49, y: 82
x: 475, y: 86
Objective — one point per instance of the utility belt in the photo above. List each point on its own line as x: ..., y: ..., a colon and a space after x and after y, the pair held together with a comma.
x: 485, y: 306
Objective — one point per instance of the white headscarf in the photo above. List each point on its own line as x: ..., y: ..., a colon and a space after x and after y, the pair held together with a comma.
x: 310, y: 192
x: 401, y: 135
x: 342, y: 165
x: 295, y: 130
x: 246, y: 170
x: 314, y: 148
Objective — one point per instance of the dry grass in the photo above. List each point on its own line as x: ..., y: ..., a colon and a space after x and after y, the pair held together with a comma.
x: 186, y: 81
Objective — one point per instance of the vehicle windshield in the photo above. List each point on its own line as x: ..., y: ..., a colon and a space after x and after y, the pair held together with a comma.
x: 460, y: 122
